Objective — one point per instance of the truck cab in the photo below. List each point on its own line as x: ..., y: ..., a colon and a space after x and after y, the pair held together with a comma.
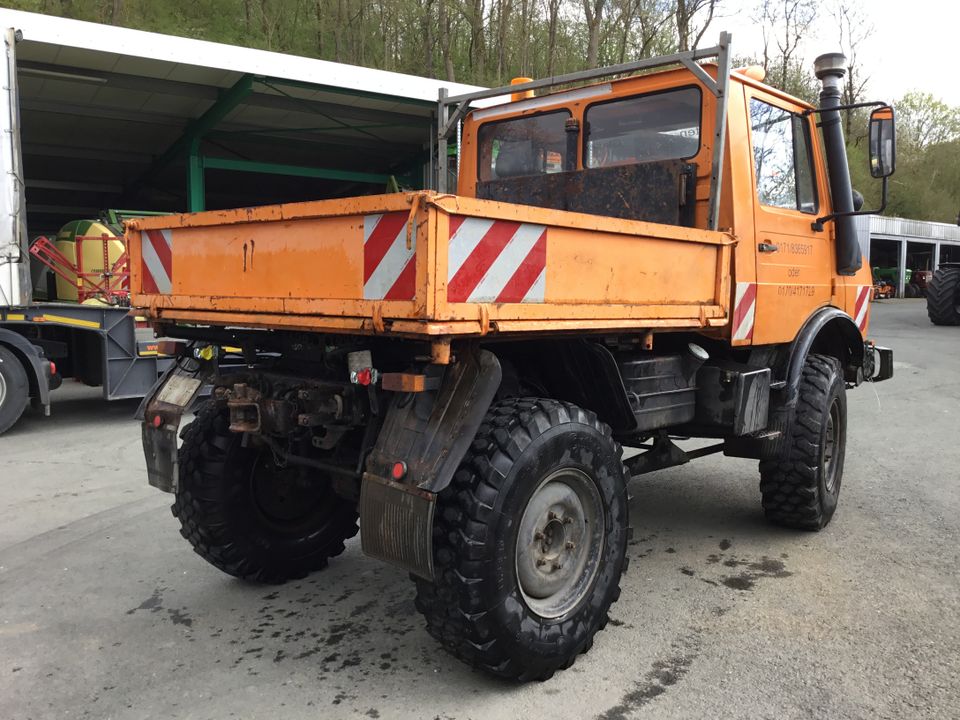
x: 641, y: 148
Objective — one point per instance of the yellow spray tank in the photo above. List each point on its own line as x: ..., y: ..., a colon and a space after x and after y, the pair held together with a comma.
x: 91, y: 254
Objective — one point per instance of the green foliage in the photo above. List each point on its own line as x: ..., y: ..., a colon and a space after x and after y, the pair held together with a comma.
x: 484, y: 42
x: 926, y: 184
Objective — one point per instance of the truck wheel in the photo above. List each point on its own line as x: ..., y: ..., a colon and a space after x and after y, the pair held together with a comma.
x: 800, y: 488
x: 14, y: 389
x: 529, y: 541
x: 247, y: 516
x: 943, y: 297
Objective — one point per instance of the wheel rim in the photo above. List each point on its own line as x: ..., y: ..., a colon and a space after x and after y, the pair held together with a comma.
x: 3, y: 389
x: 831, y: 447
x: 281, y: 495
x: 560, y: 542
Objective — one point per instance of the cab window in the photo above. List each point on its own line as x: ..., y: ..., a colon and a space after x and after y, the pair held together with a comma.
x: 782, y: 161
x: 643, y: 128
x: 523, y: 146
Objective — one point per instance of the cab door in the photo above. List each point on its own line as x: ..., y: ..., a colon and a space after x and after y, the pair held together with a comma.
x: 794, y: 262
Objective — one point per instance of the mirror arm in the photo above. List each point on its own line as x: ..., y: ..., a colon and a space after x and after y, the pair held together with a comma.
x: 818, y: 223
x: 854, y: 106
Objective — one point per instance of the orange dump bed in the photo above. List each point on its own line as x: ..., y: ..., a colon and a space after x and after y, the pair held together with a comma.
x: 423, y: 264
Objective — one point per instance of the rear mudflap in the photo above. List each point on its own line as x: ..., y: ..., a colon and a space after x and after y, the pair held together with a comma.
x: 396, y: 524
x: 426, y: 435
x: 160, y: 413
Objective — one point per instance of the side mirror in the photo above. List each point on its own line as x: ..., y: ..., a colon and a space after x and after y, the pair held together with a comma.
x: 883, y: 142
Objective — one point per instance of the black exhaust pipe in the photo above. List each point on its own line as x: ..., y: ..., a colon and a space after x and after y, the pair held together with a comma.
x: 830, y: 69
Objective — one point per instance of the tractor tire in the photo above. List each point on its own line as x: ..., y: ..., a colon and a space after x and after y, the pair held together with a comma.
x: 248, y: 517
x: 800, y: 489
x: 14, y: 389
x: 911, y: 291
x: 529, y: 541
x: 943, y: 297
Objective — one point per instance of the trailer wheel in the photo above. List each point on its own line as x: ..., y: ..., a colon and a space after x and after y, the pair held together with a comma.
x: 14, y: 389
x: 943, y: 297
x: 800, y: 489
x: 248, y: 517
x: 529, y: 541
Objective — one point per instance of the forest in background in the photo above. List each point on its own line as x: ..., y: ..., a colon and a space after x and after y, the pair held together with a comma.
x: 488, y: 42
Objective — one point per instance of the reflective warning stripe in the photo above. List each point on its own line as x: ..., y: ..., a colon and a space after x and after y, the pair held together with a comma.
x: 861, y: 308
x: 496, y: 261
x: 156, y: 247
x: 47, y: 317
x: 744, y: 310
x: 389, y: 267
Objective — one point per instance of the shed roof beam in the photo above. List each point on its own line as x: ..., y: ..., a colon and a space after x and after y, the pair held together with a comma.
x: 224, y: 105
x: 88, y: 153
x: 90, y: 111
x: 72, y: 186
x: 212, y: 163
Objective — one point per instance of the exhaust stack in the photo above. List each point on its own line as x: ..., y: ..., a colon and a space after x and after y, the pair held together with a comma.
x: 830, y: 70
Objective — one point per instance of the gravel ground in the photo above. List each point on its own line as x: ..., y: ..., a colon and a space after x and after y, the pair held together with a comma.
x: 106, y: 613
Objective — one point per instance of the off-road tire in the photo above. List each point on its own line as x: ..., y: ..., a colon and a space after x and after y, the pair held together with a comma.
x: 800, y: 488
x: 476, y: 607
x: 221, y: 516
x: 943, y: 297
x: 14, y: 389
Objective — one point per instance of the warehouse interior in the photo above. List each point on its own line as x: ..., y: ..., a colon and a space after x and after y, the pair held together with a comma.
x: 101, y: 128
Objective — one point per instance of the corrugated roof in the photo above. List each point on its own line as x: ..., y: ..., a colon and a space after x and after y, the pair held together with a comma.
x: 921, y: 230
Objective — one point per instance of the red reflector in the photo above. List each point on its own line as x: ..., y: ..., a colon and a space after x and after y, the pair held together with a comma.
x: 364, y: 376
x: 399, y: 470
x: 157, y: 421
x: 53, y: 368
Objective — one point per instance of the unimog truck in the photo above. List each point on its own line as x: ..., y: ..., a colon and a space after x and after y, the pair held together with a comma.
x: 652, y: 251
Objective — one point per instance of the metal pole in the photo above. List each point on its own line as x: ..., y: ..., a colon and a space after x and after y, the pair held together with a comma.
x: 196, y: 189
x: 720, y: 129
x: 902, y: 269
x: 442, y: 141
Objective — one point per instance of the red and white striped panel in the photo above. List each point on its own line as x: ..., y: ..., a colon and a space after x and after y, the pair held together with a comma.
x: 861, y: 308
x: 156, y: 249
x: 496, y: 261
x: 389, y: 268
x: 744, y: 310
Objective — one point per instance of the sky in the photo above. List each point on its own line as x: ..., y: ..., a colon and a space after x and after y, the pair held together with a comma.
x: 911, y: 47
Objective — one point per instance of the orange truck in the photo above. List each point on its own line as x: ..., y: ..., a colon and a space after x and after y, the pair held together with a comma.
x: 669, y: 254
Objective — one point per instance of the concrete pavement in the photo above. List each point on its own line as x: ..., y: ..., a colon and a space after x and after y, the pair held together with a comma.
x: 106, y: 613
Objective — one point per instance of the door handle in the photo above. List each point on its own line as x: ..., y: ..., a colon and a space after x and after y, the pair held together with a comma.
x: 767, y: 247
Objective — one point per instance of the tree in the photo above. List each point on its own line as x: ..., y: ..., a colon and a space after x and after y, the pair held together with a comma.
x: 923, y: 120
x: 593, y: 10
x: 785, y: 24
x: 687, y: 11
